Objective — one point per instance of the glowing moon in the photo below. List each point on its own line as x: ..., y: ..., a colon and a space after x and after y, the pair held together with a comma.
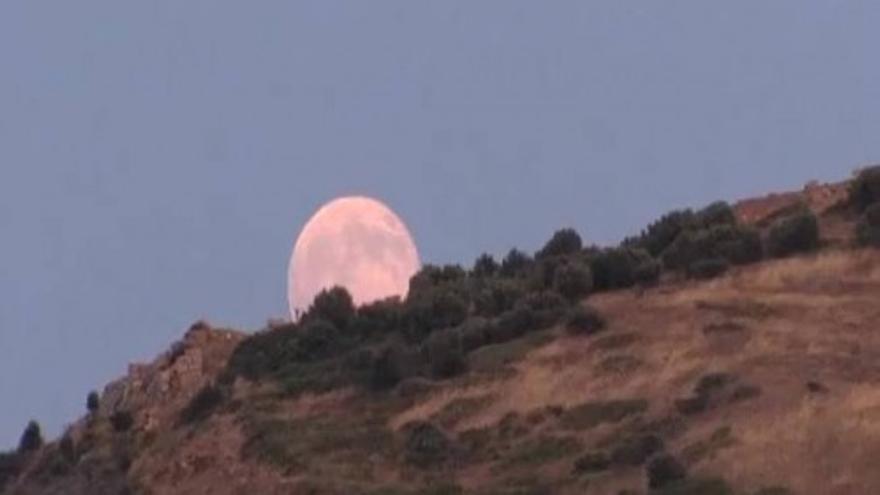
x: 355, y: 242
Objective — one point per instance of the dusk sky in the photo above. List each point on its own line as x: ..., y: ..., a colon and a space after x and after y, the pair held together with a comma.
x: 157, y: 159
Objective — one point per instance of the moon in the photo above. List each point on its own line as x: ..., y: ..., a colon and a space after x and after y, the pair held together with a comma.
x: 355, y: 242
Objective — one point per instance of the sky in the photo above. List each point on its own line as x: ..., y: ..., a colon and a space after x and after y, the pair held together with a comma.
x: 157, y: 159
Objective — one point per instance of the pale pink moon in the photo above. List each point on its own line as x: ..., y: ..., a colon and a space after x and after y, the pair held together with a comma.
x: 354, y: 242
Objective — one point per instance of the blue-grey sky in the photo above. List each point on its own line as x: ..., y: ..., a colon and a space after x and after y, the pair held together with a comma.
x: 157, y: 158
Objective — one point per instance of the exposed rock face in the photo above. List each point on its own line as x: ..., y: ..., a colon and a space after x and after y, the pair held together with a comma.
x: 153, y: 392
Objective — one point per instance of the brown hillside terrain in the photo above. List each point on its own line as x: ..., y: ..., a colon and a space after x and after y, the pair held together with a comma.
x: 767, y: 378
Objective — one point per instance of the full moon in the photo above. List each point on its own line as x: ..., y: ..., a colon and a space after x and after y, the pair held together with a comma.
x: 354, y: 242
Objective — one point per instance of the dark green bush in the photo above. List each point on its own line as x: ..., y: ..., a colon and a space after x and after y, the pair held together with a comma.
x: 584, y: 320
x: 432, y: 277
x: 445, y: 354
x: 320, y: 339
x: 389, y: 368
x: 865, y: 189
x: 426, y: 445
x: 93, y: 402
x: 737, y: 245
x: 564, y: 242
x: 11, y: 465
x: 497, y: 296
x: 663, y: 232
x: 474, y: 333
x: 636, y: 450
x: 202, y: 405
x: 442, y: 307
x: 868, y: 228
x: 717, y: 213
x: 31, y: 438
x: 573, y: 280
x: 663, y: 471
x: 592, y: 462
x: 121, y: 421
x: 334, y: 305
x: 485, y: 266
x: 617, y: 268
x: 708, y: 268
x: 378, y: 318
x: 515, y: 264
x: 796, y: 233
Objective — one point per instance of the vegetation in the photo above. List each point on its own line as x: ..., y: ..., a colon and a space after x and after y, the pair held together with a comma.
x: 122, y: 421
x: 573, y: 280
x: 584, y: 320
x: 563, y: 243
x: 31, y: 439
x: 664, y: 471
x: 93, y: 402
x: 797, y: 233
x: 865, y: 189
x: 868, y: 228
x: 592, y: 414
x: 708, y: 268
x: 202, y: 405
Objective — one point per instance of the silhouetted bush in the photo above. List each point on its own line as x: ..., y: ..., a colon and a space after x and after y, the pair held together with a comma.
x: 617, y: 268
x: 592, y: 462
x: 497, y: 296
x: 796, y: 233
x: 663, y: 471
x: 11, y: 465
x: 865, y: 189
x: 426, y: 445
x: 378, y: 318
x: 868, y: 228
x: 564, y: 242
x: 636, y: 450
x: 31, y: 438
x: 334, y: 305
x: 485, y: 266
x: 432, y: 277
x: 717, y: 213
x: 441, y: 307
x: 708, y: 268
x: 546, y: 307
x: 319, y: 339
x: 515, y: 264
x: 445, y: 354
x: 121, y: 421
x: 584, y: 320
x: 737, y: 245
x: 573, y: 280
x: 202, y: 405
x: 474, y: 333
x: 662, y: 233
x: 389, y: 368
x: 93, y: 402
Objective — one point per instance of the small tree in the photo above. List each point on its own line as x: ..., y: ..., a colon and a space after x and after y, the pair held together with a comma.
x: 865, y: 189
x: 564, y: 242
x: 793, y: 234
x: 334, y: 305
x: 573, y: 280
x: 31, y: 439
x: 515, y: 263
x: 485, y: 266
x: 93, y: 402
x: 717, y: 213
x: 868, y: 228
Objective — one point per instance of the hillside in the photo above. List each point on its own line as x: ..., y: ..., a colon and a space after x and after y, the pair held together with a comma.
x: 760, y: 377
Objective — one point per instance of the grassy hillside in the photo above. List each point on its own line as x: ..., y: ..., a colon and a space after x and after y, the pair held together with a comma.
x: 722, y: 351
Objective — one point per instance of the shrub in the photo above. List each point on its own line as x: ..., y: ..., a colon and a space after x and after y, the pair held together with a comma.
x: 636, y: 450
x: 868, y: 228
x: 592, y: 414
x: 474, y: 333
x: 445, y: 354
x: 389, y: 368
x: 663, y: 471
x: 10, y: 466
x: 865, y: 189
x: 485, y: 266
x: 318, y: 340
x: 737, y: 245
x: 425, y: 444
x: 592, y: 462
x: 584, y: 320
x: 515, y: 264
x: 708, y: 268
x: 573, y: 280
x: 497, y: 296
x: 793, y: 234
x: 122, y: 421
x: 564, y: 242
x: 431, y: 277
x: 379, y: 317
x: 661, y: 233
x: 67, y: 449
x: 334, y: 305
x: 202, y: 405
x: 717, y: 213
x: 442, y: 307
x: 31, y: 438
x: 93, y: 402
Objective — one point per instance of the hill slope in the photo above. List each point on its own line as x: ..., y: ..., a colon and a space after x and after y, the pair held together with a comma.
x: 763, y: 380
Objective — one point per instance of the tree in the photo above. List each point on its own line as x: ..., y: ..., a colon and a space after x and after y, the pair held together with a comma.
x: 485, y: 266
x: 334, y: 305
x: 515, y: 263
x: 564, y: 242
x: 868, y: 228
x: 31, y: 439
x: 865, y: 189
x: 573, y: 280
x: 93, y: 402
x: 796, y: 233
